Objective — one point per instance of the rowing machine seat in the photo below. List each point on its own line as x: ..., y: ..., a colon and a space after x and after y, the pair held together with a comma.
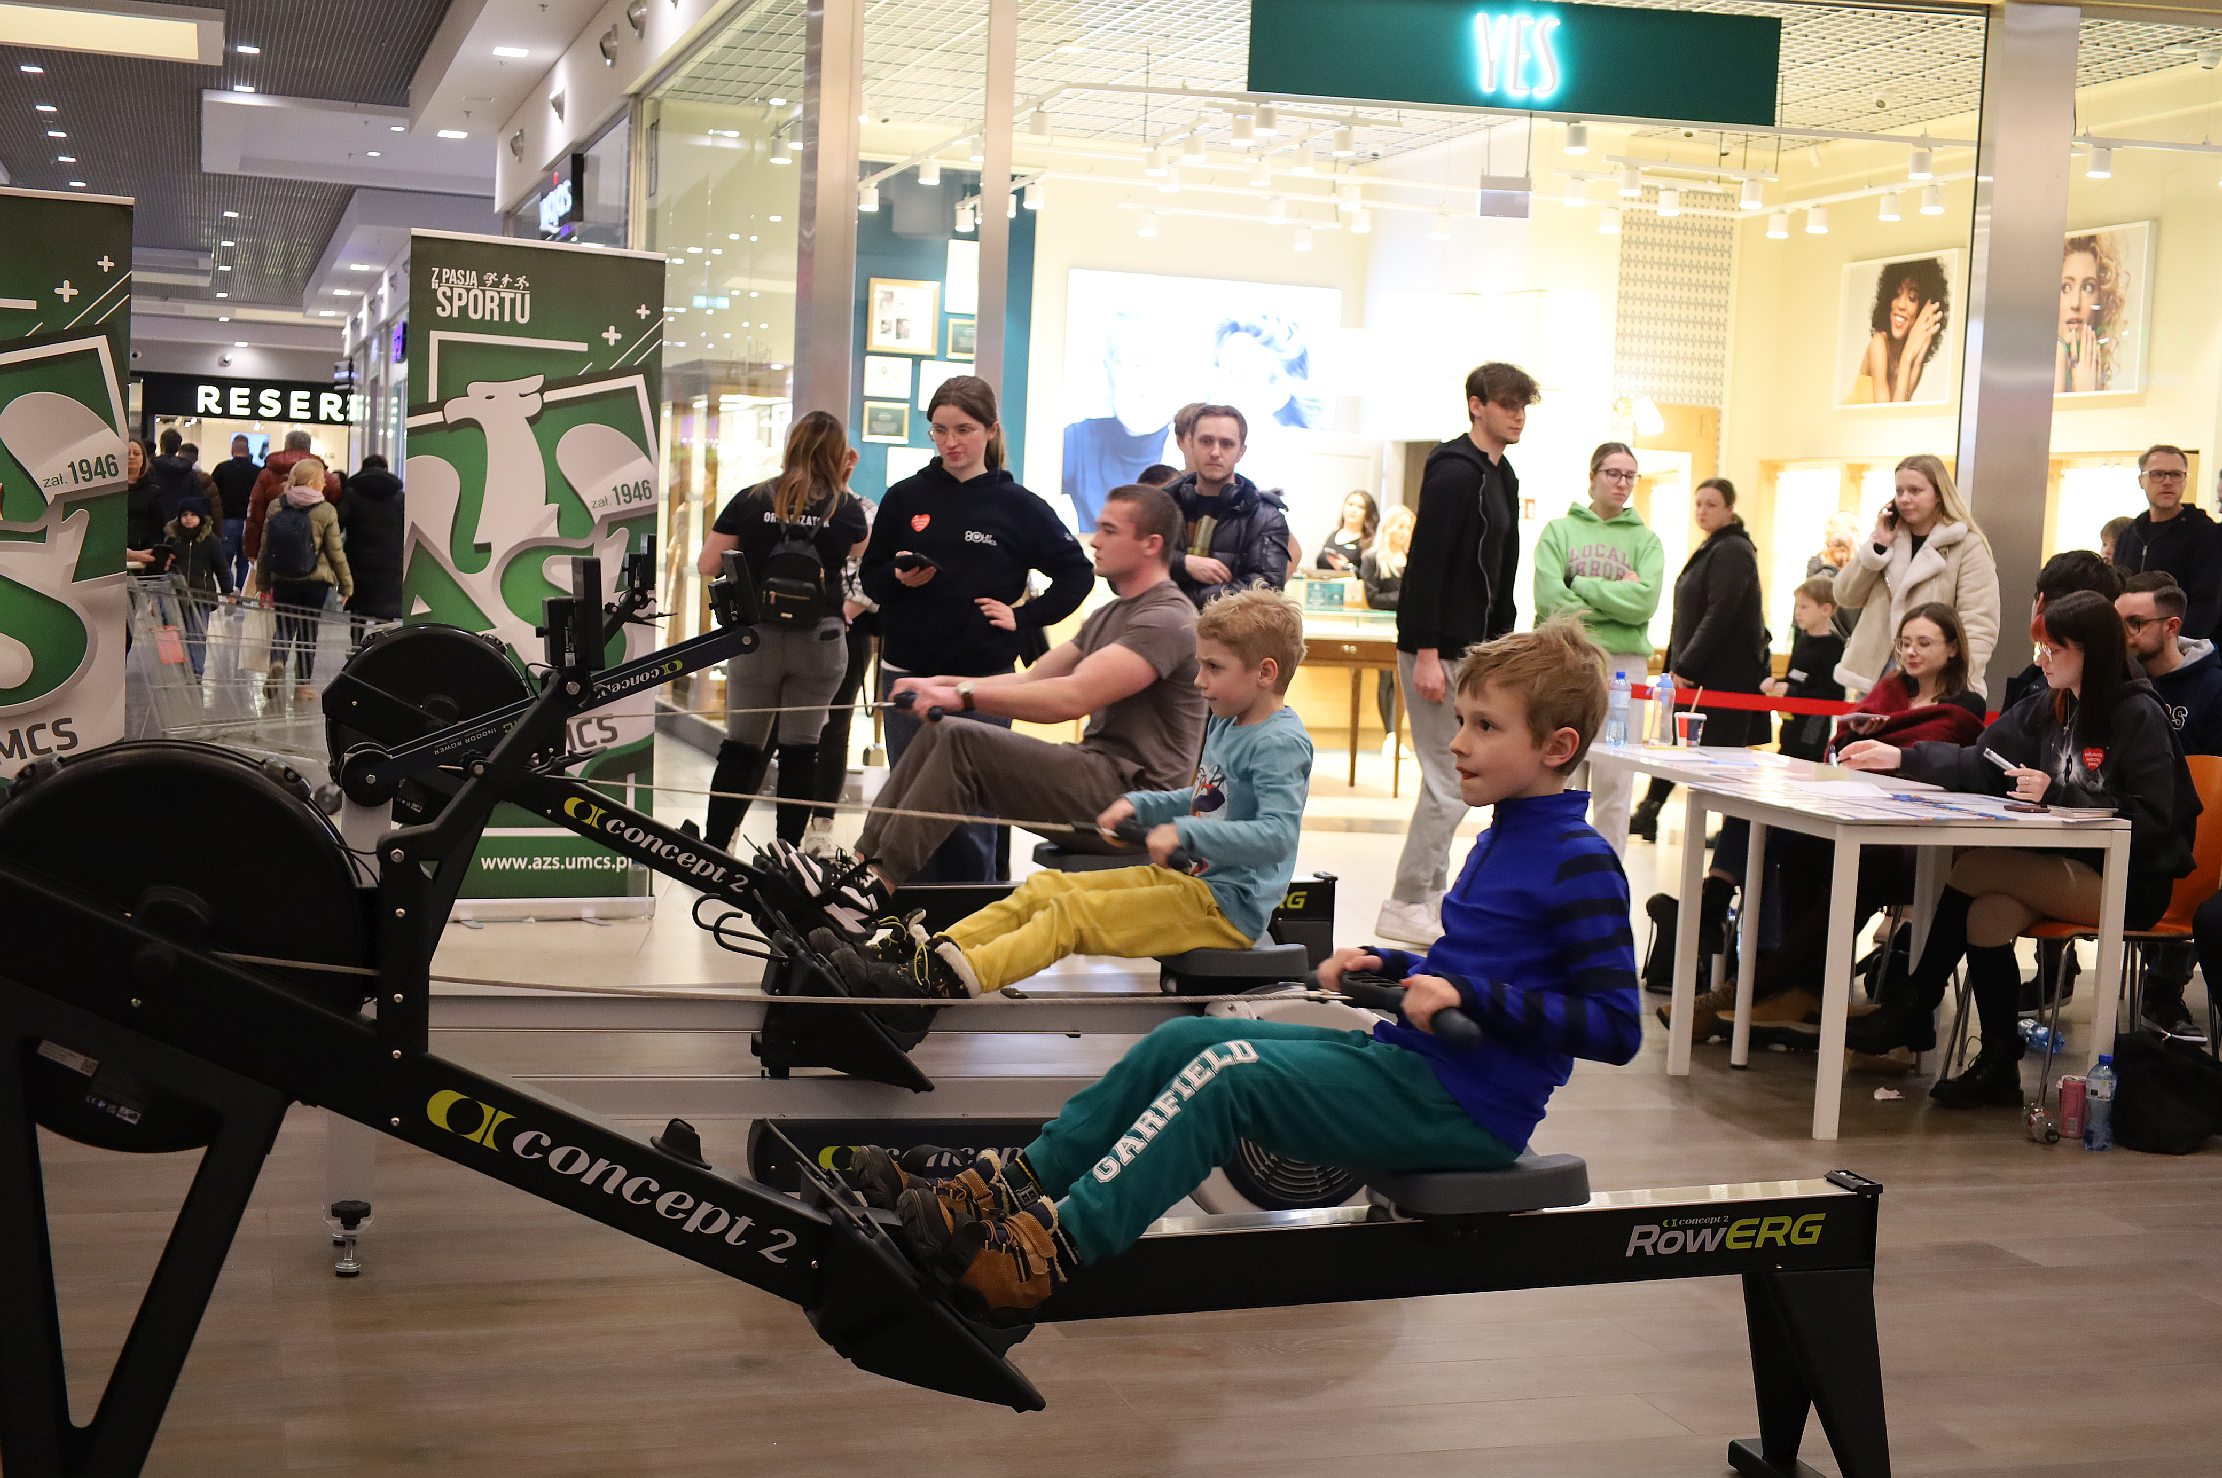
x: 1067, y: 859
x: 1206, y: 972
x: 1529, y: 1183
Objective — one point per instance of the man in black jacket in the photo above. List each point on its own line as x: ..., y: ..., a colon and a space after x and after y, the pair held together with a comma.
x: 235, y: 489
x: 1458, y: 587
x: 374, y: 518
x: 1237, y: 536
x: 2175, y: 536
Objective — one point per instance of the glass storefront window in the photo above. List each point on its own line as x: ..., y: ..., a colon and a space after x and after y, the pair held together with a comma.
x: 590, y: 210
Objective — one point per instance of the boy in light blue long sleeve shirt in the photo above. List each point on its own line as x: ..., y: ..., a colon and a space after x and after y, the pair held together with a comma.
x: 1240, y: 817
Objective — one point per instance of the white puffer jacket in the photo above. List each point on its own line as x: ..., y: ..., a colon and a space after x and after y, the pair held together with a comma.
x: 1954, y: 568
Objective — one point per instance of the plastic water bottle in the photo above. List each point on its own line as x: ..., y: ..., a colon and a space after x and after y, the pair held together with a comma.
x: 1662, y: 709
x: 2098, y: 1105
x: 1616, y: 710
x: 2042, y: 1038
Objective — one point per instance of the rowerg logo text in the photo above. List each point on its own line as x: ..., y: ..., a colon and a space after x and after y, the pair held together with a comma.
x: 1714, y: 1233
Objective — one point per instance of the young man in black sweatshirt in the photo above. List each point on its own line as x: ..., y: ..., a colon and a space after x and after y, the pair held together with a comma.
x: 2175, y: 536
x: 1458, y: 588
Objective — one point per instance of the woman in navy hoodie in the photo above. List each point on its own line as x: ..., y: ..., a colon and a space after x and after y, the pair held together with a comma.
x: 966, y: 535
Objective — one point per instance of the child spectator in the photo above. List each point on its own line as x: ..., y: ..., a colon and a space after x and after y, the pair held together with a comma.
x: 1812, y: 670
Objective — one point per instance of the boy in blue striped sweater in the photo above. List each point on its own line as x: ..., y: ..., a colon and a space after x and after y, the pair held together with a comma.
x: 1536, y: 949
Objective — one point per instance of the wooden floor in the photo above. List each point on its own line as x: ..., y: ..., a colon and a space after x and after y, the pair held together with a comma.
x: 2044, y: 1310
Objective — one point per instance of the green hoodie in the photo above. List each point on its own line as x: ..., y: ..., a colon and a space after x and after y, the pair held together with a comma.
x: 1579, y: 566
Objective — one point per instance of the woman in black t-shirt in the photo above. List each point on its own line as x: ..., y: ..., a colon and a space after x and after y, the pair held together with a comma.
x: 794, y: 533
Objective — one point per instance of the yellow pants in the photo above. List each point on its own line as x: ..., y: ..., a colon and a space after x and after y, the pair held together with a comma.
x: 1132, y: 912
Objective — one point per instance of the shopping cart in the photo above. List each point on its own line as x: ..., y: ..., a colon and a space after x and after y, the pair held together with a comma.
x: 246, y: 674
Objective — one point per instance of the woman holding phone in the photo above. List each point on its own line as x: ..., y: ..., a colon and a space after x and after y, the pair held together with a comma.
x: 2094, y: 735
x: 1925, y: 548
x: 947, y: 564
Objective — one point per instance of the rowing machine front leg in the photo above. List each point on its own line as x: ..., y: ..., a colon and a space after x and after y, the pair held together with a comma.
x: 1814, y: 1348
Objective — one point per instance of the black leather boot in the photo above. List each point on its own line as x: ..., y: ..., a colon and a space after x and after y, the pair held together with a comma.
x: 739, y: 774
x: 1993, y: 1080
x: 1643, y: 821
x: 1905, y: 1021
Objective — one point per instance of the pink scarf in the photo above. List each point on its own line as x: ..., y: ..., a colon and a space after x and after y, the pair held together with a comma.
x: 307, y: 495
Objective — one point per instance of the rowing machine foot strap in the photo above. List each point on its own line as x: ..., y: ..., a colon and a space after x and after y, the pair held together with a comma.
x: 1814, y: 1347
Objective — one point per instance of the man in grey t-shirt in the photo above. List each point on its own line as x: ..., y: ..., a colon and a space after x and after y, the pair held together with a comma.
x: 1131, y: 671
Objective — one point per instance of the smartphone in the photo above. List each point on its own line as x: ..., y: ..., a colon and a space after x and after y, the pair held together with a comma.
x: 907, y: 561
x: 2030, y: 808
x: 1890, y: 514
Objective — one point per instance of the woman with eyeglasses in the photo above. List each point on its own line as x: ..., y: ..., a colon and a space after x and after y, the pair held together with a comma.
x: 1601, y: 562
x: 2094, y: 735
x: 947, y: 564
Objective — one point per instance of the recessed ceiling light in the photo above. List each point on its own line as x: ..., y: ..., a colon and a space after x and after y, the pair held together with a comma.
x: 55, y: 133
x: 239, y: 343
x: 513, y: 52
x: 327, y: 313
x: 77, y: 184
x: 231, y: 215
x: 775, y: 220
x: 248, y: 50
x: 362, y: 266
x: 374, y: 154
x: 223, y: 266
x: 777, y: 102
x: 44, y: 108
x: 397, y: 128
x: 65, y: 159
x: 343, y: 292
x: 223, y: 318
x: 31, y: 71
x: 226, y: 241
x: 223, y: 295
x: 453, y: 133
x: 241, y: 87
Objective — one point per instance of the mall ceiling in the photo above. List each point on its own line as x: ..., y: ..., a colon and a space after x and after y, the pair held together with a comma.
x: 1843, y: 69
x: 134, y: 128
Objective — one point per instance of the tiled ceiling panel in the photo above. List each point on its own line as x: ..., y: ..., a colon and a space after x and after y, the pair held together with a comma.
x: 923, y: 64
x: 134, y: 129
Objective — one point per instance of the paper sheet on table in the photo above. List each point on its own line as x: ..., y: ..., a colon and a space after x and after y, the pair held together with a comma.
x: 1840, y: 790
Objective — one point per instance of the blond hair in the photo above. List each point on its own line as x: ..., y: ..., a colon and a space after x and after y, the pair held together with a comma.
x: 1558, y: 672
x: 307, y: 472
x: 1395, y: 541
x: 1254, y: 625
x: 1951, y: 507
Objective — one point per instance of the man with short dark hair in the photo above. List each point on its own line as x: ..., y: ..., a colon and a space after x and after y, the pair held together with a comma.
x: 1131, y: 672
x: 235, y: 490
x: 2065, y: 573
x: 1237, y: 536
x: 1458, y: 590
x: 2187, y: 678
x: 173, y: 476
x: 2175, y: 535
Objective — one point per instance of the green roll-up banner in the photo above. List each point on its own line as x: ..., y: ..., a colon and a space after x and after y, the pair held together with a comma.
x: 65, y: 337
x: 535, y: 375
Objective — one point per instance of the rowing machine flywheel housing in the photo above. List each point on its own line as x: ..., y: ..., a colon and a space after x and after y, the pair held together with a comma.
x: 432, y: 677
x: 210, y: 847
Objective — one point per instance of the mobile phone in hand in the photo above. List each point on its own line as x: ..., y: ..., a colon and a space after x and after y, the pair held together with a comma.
x: 907, y: 562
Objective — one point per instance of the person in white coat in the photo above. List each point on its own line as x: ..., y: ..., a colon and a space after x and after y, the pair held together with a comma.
x: 1925, y: 547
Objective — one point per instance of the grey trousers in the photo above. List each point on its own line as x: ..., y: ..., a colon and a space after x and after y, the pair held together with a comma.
x: 792, y: 667
x: 1423, y: 872
x: 1609, y: 793
x: 957, y: 769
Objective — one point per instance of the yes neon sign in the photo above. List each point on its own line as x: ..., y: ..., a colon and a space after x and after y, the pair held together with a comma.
x: 1516, y: 56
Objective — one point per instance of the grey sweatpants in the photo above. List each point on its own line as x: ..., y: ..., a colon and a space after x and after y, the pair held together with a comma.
x: 1423, y: 871
x: 956, y: 769
x: 792, y: 667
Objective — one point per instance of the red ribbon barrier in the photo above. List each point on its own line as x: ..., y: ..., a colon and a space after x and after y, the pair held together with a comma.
x: 1751, y: 702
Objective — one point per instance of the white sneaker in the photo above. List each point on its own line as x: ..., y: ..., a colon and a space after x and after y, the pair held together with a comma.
x: 817, y: 840
x: 1413, y: 923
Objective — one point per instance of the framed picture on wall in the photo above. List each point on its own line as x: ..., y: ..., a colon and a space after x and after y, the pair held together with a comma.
x: 887, y: 421
x: 905, y: 317
x: 932, y: 373
x: 886, y: 377
x: 2106, y: 310
x: 964, y: 338
x: 1898, y: 330
x: 903, y: 461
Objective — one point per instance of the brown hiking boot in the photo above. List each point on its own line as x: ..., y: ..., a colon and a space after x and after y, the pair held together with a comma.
x: 1790, y: 1019
x: 1713, y: 1012
x: 1006, y: 1262
x: 983, y: 1188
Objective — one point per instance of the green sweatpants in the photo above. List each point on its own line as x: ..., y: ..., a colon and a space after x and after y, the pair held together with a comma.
x: 1172, y: 1110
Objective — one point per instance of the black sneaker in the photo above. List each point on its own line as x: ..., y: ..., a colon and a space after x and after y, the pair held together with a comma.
x: 1993, y: 1080
x: 2165, y: 1012
x: 1658, y: 961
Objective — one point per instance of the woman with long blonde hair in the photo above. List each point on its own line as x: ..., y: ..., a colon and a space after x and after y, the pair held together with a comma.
x: 1382, y: 570
x: 1925, y: 547
x: 794, y: 533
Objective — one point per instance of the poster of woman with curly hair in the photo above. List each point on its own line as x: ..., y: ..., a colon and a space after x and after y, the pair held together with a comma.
x: 2105, y: 310
x: 1896, y: 330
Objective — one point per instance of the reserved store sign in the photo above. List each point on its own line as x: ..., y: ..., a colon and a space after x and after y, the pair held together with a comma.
x: 299, y: 401
x: 1595, y: 59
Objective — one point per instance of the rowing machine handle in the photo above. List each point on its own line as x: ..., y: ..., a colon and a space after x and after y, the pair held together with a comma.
x: 1134, y: 832
x: 908, y: 701
x: 1380, y: 993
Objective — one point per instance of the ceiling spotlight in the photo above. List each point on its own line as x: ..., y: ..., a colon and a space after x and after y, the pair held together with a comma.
x: 2101, y: 166
x: 1192, y: 147
x: 1244, y: 130
x: 1748, y: 196
x: 1361, y: 222
x: 607, y: 46
x: 1577, y: 191
x: 1778, y: 226
x: 975, y: 150
x: 454, y: 133
x: 1170, y: 184
x: 1038, y: 125
x: 1268, y: 120
x: 968, y: 218
x: 513, y: 53
x: 778, y: 154
x: 1158, y: 162
x: 1261, y: 173
x: 1608, y: 221
x: 929, y: 172
x: 1010, y: 205
x: 1276, y: 210
x: 1346, y: 142
x: 517, y: 144
x: 1670, y: 201
x: 1307, y: 158
x: 636, y: 16
x: 1303, y: 241
x: 868, y: 198
x: 1631, y: 181
x: 1440, y: 231
x: 1149, y: 224
x: 1932, y: 200
x: 1889, y: 210
x: 1577, y: 138
x: 1032, y: 195
x: 1816, y: 220
x: 1923, y: 164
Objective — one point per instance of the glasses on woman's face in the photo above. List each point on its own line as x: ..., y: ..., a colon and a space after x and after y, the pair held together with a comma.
x: 1613, y: 474
x: 1919, y: 644
x: 956, y: 432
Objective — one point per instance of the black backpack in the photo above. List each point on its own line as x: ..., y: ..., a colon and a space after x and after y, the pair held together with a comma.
x: 288, y: 542
x: 2167, y: 1094
x: 793, y: 589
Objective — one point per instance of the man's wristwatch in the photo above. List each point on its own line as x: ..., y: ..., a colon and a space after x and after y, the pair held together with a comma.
x: 964, y: 697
